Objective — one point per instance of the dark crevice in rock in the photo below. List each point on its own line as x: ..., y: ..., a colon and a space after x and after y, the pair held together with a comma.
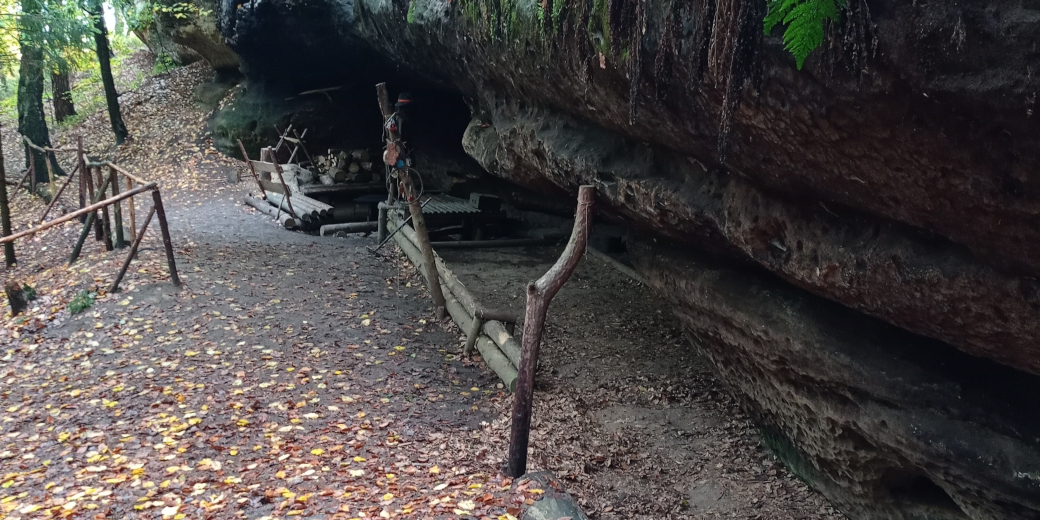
x: 903, y: 275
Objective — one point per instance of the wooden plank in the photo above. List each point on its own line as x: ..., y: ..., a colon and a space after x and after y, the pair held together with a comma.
x: 271, y: 186
x: 265, y: 167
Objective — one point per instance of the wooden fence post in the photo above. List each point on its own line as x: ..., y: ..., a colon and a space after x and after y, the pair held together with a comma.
x: 133, y: 252
x: 167, y: 241
x: 106, y: 224
x: 539, y: 294
x: 117, y: 210
x: 90, y: 222
x: 423, y: 238
x: 81, y: 163
x: 32, y: 167
x: 130, y: 203
x: 5, y: 213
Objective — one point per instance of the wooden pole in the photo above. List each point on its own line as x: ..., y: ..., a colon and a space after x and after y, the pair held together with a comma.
x: 249, y: 163
x: 167, y: 242
x: 281, y: 179
x: 81, y: 162
x: 423, y: 241
x: 50, y: 172
x: 54, y: 198
x: 133, y: 252
x: 32, y: 178
x: 117, y: 210
x: 76, y: 214
x: 392, y: 136
x: 264, y: 207
x: 539, y: 294
x: 106, y: 224
x: 91, y: 219
x: 17, y: 189
x: 130, y: 202
x: 5, y: 213
x: 89, y: 181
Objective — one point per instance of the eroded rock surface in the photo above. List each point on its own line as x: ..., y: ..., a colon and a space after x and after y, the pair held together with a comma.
x: 888, y: 425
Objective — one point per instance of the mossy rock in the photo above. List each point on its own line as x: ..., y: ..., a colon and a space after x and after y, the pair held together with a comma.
x: 252, y: 117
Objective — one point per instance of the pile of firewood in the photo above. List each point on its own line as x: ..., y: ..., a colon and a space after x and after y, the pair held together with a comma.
x: 339, y: 166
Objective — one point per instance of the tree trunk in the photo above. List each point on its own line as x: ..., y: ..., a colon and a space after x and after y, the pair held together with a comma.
x: 31, y: 119
x: 103, y: 53
x: 61, y: 90
x: 5, y: 213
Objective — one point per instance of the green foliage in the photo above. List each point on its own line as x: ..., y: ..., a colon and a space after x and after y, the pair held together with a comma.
x: 181, y: 10
x: 29, y: 292
x: 804, y: 20
x: 163, y: 63
x: 411, y: 11
x: 83, y: 301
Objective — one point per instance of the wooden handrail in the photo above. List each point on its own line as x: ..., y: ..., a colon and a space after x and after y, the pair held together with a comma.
x: 116, y: 167
x: 75, y: 214
x: 46, y: 149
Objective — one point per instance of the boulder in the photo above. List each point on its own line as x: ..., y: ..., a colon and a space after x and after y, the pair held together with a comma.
x: 185, y: 31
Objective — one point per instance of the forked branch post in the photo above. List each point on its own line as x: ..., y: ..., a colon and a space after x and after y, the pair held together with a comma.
x: 539, y: 294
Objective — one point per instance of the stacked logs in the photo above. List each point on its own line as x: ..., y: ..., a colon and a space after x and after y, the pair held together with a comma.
x: 310, y: 213
x: 339, y: 166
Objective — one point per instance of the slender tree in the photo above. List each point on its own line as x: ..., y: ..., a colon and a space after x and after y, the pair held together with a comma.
x: 31, y: 120
x: 61, y: 92
x: 101, y: 44
x: 5, y: 212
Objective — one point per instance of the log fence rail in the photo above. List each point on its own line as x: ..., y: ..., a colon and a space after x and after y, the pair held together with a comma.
x: 98, y: 193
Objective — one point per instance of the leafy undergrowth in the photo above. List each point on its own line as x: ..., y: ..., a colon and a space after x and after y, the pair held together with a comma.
x: 266, y: 387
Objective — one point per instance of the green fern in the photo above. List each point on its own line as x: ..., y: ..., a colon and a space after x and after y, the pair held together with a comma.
x: 804, y: 20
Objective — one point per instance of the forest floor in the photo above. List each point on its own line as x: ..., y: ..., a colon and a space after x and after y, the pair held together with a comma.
x: 297, y: 375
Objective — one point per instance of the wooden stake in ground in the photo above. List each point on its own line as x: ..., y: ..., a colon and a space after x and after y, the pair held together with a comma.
x: 539, y: 294
x: 117, y: 211
x: 106, y: 224
x: 5, y: 213
x: 133, y: 252
x: 167, y: 242
x: 423, y: 239
x: 249, y: 163
x: 130, y: 202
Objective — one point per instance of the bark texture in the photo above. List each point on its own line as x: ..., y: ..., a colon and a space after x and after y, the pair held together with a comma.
x: 102, y: 49
x: 32, y: 122
x: 61, y: 95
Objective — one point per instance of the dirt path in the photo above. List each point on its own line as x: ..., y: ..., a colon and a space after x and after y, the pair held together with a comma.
x: 295, y: 375
x: 625, y: 410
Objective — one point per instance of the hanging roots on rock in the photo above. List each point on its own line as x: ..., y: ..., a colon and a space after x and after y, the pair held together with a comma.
x: 733, y: 58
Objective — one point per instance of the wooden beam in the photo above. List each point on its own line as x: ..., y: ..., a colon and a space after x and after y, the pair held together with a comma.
x: 76, y: 214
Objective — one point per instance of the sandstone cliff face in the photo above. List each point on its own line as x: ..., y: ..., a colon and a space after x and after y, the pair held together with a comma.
x: 188, y: 39
x: 894, y: 179
x: 876, y: 423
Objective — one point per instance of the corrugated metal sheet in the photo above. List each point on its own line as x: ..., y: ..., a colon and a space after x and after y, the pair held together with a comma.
x: 447, y: 205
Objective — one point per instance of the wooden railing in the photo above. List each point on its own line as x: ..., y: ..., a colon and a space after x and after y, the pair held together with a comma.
x: 94, y: 187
